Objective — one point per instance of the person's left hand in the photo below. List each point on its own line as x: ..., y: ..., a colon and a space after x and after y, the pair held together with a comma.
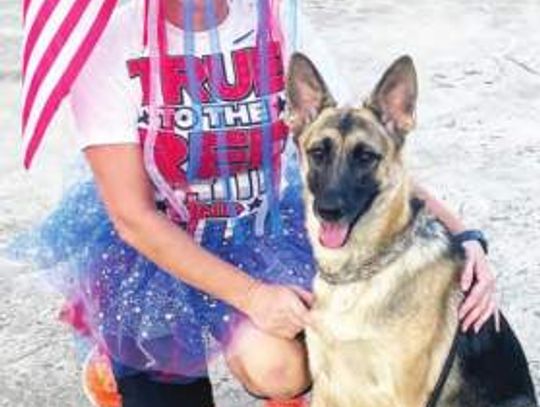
x: 479, y: 282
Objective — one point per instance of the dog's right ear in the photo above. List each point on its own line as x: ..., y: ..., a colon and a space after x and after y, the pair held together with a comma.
x: 307, y: 93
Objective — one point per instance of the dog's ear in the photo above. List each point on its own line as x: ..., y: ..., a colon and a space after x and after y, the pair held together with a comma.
x: 307, y: 93
x: 394, y: 98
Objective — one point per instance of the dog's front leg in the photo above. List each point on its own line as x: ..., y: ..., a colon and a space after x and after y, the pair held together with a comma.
x: 316, y: 349
x: 317, y: 400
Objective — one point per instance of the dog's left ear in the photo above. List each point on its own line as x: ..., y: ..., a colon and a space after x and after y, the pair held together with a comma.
x: 307, y: 93
x: 394, y: 98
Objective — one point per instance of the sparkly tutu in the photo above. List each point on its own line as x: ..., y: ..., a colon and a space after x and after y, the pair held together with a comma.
x: 145, y: 318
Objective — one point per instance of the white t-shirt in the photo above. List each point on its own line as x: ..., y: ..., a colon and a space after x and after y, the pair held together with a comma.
x: 110, y: 106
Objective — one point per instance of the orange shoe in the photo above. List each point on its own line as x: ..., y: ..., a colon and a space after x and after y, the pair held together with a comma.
x: 299, y: 402
x: 98, y: 381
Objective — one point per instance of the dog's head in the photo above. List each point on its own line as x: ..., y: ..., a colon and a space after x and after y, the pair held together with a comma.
x: 351, y: 157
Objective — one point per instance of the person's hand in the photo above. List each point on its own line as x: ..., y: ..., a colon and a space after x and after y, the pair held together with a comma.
x: 478, y: 281
x: 282, y: 311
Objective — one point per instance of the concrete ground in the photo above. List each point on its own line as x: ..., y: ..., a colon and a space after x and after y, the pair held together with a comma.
x: 477, y: 146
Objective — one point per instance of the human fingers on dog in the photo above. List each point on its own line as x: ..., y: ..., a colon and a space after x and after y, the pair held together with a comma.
x: 301, y: 313
x: 476, y: 298
x: 491, y: 310
x: 292, y: 323
x: 481, y: 269
x: 476, y: 313
x: 305, y: 295
x: 287, y: 331
x: 308, y: 300
x: 483, y: 272
x: 476, y: 264
x: 484, y: 285
x: 282, y: 325
x: 281, y: 331
x: 277, y: 310
x: 295, y: 315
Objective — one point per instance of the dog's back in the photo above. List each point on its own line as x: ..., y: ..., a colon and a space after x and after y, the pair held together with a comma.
x: 493, y: 369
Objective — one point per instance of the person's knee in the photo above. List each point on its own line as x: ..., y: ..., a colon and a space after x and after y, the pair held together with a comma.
x: 280, y: 379
x: 278, y: 372
x: 276, y: 379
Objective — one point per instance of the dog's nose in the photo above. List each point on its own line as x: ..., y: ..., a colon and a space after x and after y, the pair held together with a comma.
x: 331, y: 214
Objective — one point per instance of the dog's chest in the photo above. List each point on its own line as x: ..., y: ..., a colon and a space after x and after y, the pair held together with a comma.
x: 372, y: 342
x: 354, y: 343
x: 367, y: 374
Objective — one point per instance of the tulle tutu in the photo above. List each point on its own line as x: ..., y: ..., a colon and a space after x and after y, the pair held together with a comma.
x: 145, y: 318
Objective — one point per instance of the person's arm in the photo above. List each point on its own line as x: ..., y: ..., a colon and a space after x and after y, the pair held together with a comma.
x: 477, y: 280
x: 437, y: 208
x: 128, y: 196
x: 105, y: 105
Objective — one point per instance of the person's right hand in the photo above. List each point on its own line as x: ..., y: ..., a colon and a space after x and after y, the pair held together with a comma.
x: 282, y: 311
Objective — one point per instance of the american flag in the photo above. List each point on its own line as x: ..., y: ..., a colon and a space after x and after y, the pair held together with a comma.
x: 59, y: 35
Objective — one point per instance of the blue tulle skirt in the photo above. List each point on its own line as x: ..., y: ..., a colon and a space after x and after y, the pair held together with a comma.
x: 145, y: 318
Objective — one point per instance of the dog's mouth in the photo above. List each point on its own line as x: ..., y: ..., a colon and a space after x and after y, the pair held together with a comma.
x: 334, y: 231
x: 333, y: 235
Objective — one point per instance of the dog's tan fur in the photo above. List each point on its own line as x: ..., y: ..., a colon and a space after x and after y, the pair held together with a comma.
x: 380, y: 341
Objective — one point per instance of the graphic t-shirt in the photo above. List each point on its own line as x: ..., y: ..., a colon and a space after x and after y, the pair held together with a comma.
x: 209, y: 144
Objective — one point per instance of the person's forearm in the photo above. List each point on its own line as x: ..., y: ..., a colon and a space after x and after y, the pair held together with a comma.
x: 437, y: 208
x: 175, y: 251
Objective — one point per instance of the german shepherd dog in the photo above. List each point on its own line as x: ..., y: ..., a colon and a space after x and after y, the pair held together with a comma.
x: 385, y: 330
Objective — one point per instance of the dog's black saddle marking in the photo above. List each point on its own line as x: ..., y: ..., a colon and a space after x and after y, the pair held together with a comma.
x: 492, y: 366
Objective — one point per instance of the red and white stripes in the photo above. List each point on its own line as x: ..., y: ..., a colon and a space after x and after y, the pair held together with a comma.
x: 59, y: 35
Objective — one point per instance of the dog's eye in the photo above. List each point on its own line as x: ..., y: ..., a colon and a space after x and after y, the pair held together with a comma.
x: 364, y: 157
x: 317, y: 154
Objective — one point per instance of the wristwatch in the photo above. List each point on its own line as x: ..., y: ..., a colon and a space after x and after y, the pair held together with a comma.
x: 468, y: 235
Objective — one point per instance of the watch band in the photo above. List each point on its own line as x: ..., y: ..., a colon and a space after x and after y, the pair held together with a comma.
x: 469, y: 235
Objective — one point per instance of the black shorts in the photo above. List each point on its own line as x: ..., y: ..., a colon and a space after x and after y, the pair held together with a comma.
x: 140, y: 390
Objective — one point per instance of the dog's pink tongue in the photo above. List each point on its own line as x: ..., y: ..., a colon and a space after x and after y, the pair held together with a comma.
x: 333, y: 235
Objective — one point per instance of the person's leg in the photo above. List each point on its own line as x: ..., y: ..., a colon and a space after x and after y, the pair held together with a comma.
x: 109, y: 383
x: 267, y: 366
x: 140, y: 391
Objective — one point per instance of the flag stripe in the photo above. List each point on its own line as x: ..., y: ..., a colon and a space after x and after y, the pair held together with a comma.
x: 26, y: 4
x: 63, y: 84
x: 30, y: 11
x: 36, y: 29
x: 51, y: 54
x: 43, y: 42
x: 61, y: 64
